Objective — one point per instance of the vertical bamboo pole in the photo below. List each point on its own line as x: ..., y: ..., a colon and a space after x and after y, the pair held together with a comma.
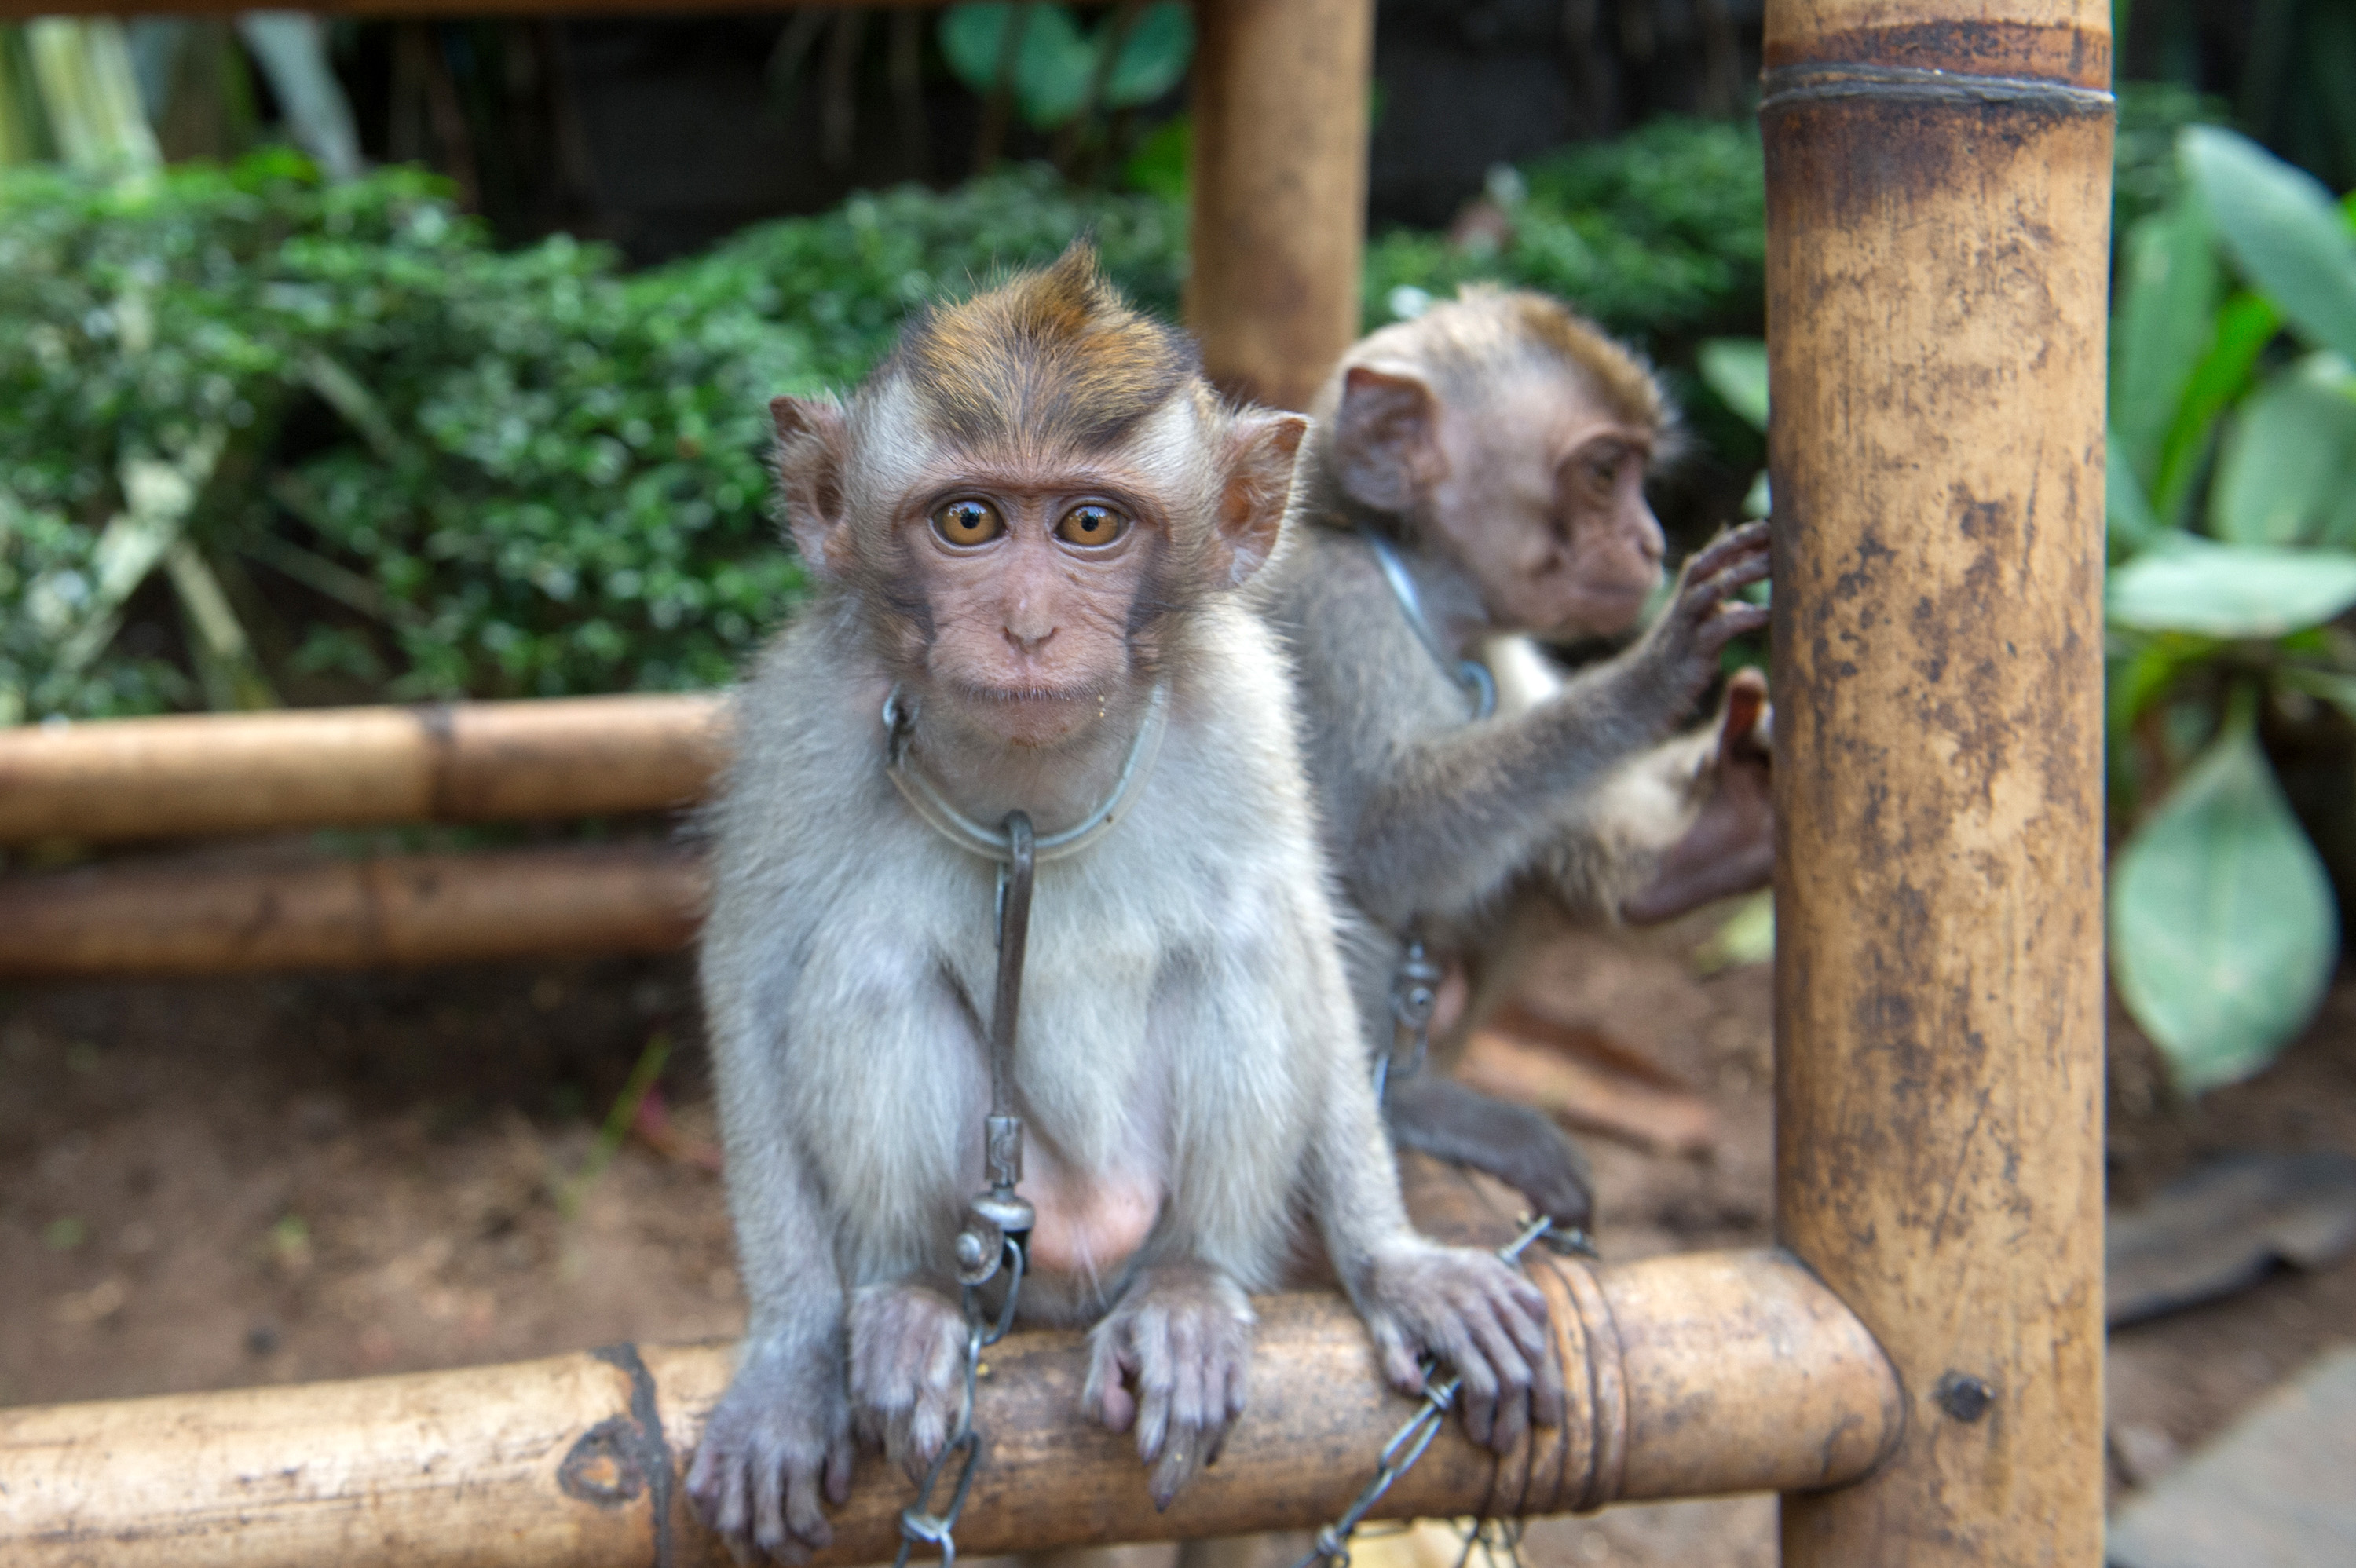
x: 1279, y: 190
x: 1938, y: 175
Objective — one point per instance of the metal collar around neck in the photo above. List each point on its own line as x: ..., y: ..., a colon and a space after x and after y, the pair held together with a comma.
x: 994, y: 843
x: 1473, y: 676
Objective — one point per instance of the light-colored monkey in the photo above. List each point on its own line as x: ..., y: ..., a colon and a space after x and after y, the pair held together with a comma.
x: 1031, y: 527
x: 1475, y: 476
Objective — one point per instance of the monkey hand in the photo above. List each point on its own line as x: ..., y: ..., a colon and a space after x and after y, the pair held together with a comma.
x: 779, y: 1437
x: 1181, y: 1334
x: 907, y: 1372
x: 1474, y: 1312
x: 1679, y: 652
x: 1730, y: 846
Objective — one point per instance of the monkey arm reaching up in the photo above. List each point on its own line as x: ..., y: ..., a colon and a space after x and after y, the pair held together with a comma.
x: 1459, y: 813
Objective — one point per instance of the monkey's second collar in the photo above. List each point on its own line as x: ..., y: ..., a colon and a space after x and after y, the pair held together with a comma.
x: 994, y: 843
x: 1471, y: 674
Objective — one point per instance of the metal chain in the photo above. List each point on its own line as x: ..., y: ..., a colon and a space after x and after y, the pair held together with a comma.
x: 997, y: 1224
x: 1408, y: 1444
x: 920, y: 1523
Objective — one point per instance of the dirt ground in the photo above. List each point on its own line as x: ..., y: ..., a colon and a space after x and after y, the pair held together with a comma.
x: 210, y: 1184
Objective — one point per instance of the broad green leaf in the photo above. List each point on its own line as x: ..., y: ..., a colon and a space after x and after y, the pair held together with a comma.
x: 2124, y: 511
x: 2164, y: 325
x: 2284, y: 230
x: 1153, y: 60
x: 969, y: 37
x: 2223, y: 930
x: 2232, y: 590
x: 1053, y: 63
x: 2245, y: 327
x: 1736, y: 370
x: 1057, y: 65
x: 2291, y: 451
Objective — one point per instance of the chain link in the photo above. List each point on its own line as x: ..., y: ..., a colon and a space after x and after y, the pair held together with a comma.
x: 919, y: 1524
x: 1408, y: 1444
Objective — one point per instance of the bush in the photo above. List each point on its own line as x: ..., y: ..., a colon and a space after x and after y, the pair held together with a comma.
x: 356, y: 452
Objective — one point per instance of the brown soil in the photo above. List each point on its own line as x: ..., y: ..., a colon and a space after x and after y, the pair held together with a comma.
x: 210, y: 1184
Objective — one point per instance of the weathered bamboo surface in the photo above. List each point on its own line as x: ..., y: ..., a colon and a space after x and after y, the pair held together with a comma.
x: 388, y: 912
x: 1709, y: 1373
x: 1938, y: 181
x: 199, y: 774
x: 1279, y: 190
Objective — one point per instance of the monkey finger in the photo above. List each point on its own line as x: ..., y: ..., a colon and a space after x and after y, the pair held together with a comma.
x: 1480, y: 1416
x: 1732, y: 621
x: 805, y: 1522
x: 1707, y: 594
x: 1746, y: 539
x: 1187, y: 1450
x: 838, y: 1465
x: 718, y: 1491
x: 769, y: 1504
x: 1402, y: 1367
x: 1106, y: 1393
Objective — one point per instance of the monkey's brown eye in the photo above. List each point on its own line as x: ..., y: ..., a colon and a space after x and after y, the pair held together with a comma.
x: 968, y: 523
x: 1091, y: 525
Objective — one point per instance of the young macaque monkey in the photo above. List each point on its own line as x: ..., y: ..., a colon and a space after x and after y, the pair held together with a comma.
x: 1476, y: 476
x: 1030, y: 527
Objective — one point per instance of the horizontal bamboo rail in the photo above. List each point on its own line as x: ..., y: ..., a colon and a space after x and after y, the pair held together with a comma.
x: 399, y: 911
x: 1689, y: 1375
x: 198, y: 775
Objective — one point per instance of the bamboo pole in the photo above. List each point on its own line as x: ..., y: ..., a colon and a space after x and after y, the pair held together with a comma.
x: 1938, y: 182
x: 250, y: 773
x: 1704, y: 1374
x: 399, y: 911
x: 1279, y: 190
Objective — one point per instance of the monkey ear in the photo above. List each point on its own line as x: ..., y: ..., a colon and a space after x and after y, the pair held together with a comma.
x: 1387, y: 439
x: 1262, y: 447
x: 809, y: 456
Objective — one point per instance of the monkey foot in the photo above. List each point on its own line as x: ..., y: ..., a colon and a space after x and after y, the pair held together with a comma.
x: 1517, y: 1145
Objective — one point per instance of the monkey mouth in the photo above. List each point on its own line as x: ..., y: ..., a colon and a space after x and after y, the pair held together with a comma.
x: 1023, y: 694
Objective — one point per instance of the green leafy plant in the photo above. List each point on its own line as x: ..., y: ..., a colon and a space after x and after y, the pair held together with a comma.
x: 1058, y: 70
x: 1660, y: 234
x: 2232, y: 514
x: 414, y: 467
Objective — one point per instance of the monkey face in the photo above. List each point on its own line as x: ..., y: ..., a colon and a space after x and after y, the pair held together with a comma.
x: 1543, y: 500
x: 1031, y: 586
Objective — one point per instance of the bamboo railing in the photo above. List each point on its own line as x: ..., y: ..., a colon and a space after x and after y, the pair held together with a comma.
x: 1712, y: 1372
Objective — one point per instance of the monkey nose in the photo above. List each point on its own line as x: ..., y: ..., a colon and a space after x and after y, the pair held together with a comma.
x: 1029, y: 642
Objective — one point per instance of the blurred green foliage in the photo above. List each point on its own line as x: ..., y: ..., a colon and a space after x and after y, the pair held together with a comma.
x: 1660, y: 235
x: 401, y: 464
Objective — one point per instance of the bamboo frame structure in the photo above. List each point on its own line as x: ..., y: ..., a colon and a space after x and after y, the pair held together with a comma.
x: 1938, y: 179
x: 1708, y: 1372
x: 1921, y: 1373
x: 199, y: 774
x: 377, y: 913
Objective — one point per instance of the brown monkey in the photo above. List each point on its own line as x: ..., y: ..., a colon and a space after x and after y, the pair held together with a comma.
x: 1480, y: 476
x: 1030, y: 527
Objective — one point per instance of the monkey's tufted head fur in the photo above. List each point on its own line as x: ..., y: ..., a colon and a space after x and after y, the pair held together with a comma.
x: 1055, y: 355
